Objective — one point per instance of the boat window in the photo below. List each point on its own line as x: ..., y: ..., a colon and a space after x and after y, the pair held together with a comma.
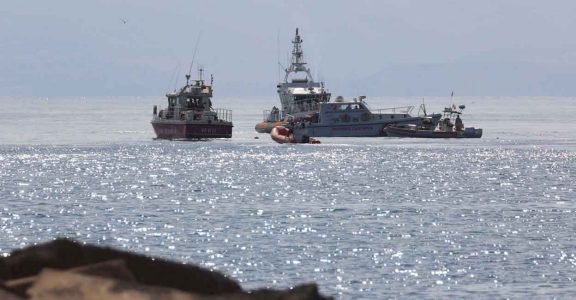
x: 344, y: 107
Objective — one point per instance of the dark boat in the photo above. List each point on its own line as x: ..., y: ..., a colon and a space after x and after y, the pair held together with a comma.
x: 469, y: 132
x: 449, y: 127
x: 190, y: 114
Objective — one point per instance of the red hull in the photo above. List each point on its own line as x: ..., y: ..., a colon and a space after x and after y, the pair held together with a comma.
x: 191, y: 131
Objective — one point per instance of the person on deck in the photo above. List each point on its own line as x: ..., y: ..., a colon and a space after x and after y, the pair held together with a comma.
x: 459, y: 124
x: 447, y: 125
x: 427, y: 124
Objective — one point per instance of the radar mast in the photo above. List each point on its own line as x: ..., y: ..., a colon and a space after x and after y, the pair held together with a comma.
x: 297, y: 62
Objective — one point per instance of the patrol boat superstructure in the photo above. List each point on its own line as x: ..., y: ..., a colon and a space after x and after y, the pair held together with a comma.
x: 299, y: 96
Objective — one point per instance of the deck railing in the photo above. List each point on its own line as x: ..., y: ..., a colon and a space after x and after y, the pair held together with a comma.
x: 304, y: 107
x: 267, y: 116
x: 395, y: 110
x: 223, y: 114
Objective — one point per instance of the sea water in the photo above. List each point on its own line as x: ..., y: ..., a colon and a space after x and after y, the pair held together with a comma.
x: 365, y: 218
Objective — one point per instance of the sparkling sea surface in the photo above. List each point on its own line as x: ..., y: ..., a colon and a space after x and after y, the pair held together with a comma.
x: 365, y: 218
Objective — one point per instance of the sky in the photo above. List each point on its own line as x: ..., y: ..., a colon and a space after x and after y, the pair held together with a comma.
x: 374, y: 48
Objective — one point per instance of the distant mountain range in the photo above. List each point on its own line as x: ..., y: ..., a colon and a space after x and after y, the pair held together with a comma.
x: 477, y: 79
x: 473, y: 79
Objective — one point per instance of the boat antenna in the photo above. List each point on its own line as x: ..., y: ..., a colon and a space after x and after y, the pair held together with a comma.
x: 193, y: 57
x: 201, y: 72
x: 175, y: 75
x: 280, y: 67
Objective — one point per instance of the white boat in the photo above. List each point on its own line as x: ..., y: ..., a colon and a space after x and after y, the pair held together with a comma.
x: 299, y: 94
x: 356, y: 119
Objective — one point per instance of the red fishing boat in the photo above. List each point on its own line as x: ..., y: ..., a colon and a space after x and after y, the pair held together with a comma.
x: 190, y: 114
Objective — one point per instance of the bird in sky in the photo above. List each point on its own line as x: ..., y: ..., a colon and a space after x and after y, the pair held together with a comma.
x: 123, y: 21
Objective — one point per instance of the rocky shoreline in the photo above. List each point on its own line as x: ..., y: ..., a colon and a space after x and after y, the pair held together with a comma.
x: 65, y: 269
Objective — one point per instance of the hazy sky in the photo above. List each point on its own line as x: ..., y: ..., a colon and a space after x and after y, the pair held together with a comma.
x: 383, y: 48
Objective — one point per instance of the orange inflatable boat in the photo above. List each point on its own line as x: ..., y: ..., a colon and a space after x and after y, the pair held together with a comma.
x: 266, y: 126
x: 283, y: 135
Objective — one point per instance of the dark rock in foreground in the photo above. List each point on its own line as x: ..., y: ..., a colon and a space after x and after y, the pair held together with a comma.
x: 64, y: 269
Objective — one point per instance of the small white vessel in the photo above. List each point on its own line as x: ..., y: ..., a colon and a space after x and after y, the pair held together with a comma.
x: 356, y: 119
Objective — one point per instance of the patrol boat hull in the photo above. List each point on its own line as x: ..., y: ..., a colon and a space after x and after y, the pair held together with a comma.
x: 182, y: 130
x: 354, y: 130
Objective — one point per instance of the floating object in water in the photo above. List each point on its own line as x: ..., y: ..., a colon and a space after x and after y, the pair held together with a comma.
x: 283, y: 135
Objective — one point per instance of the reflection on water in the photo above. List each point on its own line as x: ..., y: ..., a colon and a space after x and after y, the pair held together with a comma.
x: 365, y: 218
